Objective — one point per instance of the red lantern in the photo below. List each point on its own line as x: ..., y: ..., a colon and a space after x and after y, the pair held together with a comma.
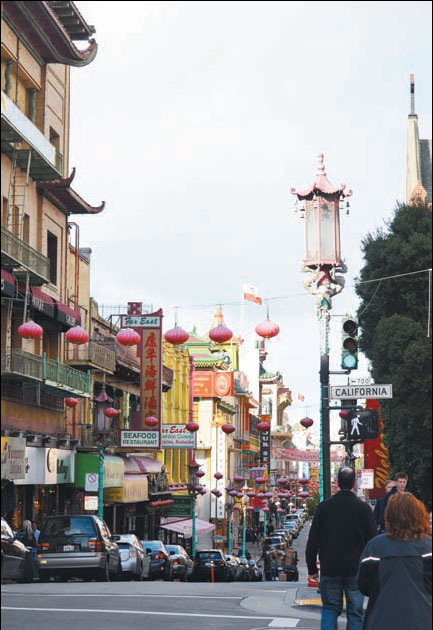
x: 238, y: 478
x: 293, y: 510
x: 261, y: 480
x: 251, y: 494
x: 220, y: 334
x: 110, y: 412
x: 263, y: 426
x: 267, y: 329
x: 200, y: 473
x: 283, y: 481
x: 192, y: 427
x: 239, y: 495
x: 261, y: 495
x: 30, y: 330
x: 151, y: 421
x: 128, y: 337
x: 250, y: 508
x: 236, y: 507
x: 198, y: 488
x: 71, y: 402
x: 304, y: 481
x: 218, y: 475
x: 177, y: 336
x: 280, y: 511
x: 304, y: 494
x: 307, y: 422
x: 265, y: 509
x: 228, y: 428
x: 268, y: 495
x: 217, y: 493
x: 77, y: 335
x: 233, y: 493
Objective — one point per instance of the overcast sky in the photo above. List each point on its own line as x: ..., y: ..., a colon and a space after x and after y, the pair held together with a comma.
x: 196, y: 119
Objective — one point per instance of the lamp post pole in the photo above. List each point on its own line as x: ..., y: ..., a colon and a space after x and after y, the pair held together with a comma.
x: 101, y: 481
x: 229, y: 529
x: 320, y: 208
x: 245, y: 502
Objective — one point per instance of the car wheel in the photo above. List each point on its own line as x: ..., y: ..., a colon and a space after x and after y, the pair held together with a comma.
x: 28, y: 570
x: 104, y: 573
x: 168, y: 577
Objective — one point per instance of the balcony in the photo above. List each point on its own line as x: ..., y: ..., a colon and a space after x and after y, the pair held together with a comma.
x: 17, y: 253
x: 92, y: 355
x: 17, y: 363
x: 16, y: 128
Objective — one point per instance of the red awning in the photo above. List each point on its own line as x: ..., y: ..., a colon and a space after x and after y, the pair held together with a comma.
x: 135, y: 464
x: 66, y: 315
x: 8, y: 284
x: 41, y: 302
x: 185, y: 527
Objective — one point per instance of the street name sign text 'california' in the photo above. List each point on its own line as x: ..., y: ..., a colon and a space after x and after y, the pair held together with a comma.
x: 342, y: 392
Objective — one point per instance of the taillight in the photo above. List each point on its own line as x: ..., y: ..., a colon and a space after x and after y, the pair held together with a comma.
x: 160, y: 556
x: 175, y: 562
x: 96, y: 545
x: 43, y: 547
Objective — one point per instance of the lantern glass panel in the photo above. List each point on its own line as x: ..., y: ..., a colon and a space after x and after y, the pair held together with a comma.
x: 311, y: 225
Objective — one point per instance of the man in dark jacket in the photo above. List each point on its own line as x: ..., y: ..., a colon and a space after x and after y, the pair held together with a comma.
x: 341, y: 527
x: 379, y: 503
x: 401, y: 480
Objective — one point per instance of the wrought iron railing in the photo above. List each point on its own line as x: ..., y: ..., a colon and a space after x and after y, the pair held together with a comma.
x: 24, y: 255
x: 93, y: 352
x: 53, y: 373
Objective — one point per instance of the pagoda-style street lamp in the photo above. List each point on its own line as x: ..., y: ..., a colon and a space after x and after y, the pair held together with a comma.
x: 194, y: 490
x: 320, y: 207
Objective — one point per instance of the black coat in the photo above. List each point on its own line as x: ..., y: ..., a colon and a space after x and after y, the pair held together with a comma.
x: 397, y: 578
x: 383, y: 506
x: 341, y: 527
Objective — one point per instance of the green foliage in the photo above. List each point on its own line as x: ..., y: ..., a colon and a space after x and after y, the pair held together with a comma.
x: 312, y: 503
x: 393, y: 315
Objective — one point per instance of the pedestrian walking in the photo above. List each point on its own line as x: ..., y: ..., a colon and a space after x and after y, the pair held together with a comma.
x: 395, y: 571
x: 341, y: 527
x: 26, y: 535
x: 379, y: 503
x: 36, y: 533
x: 401, y: 480
x: 274, y: 567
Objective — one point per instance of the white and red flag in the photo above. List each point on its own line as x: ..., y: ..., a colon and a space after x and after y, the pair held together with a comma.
x: 301, y: 397
x: 251, y: 294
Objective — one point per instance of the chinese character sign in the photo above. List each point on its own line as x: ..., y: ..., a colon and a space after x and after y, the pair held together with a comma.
x: 151, y: 371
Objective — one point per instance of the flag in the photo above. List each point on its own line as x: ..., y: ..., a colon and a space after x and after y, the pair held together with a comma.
x: 301, y: 397
x: 251, y: 294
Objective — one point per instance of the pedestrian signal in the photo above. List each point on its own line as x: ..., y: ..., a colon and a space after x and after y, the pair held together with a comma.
x: 349, y: 349
x: 363, y: 425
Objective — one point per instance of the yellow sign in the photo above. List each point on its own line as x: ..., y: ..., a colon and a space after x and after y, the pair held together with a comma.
x: 135, y: 488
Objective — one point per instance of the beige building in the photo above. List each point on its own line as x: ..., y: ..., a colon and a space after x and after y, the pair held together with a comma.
x: 41, y: 264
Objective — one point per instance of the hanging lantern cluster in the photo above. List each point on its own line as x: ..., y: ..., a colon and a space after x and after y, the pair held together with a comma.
x: 128, y: 337
x: 77, y: 335
x: 30, y: 330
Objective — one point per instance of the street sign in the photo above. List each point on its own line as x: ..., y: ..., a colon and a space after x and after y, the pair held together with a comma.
x: 341, y: 392
x: 361, y: 380
x: 92, y: 482
x: 140, y: 321
x: 91, y: 503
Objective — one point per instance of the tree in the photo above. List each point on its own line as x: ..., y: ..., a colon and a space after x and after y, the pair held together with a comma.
x: 393, y: 316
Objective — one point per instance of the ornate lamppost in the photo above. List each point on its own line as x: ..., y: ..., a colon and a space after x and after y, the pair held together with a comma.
x: 320, y: 208
x: 194, y: 490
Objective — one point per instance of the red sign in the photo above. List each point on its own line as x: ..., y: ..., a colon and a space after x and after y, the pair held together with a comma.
x: 376, y: 457
x: 213, y: 384
x: 293, y: 454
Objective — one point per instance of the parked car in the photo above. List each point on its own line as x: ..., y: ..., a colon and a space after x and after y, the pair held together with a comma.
x: 258, y: 573
x: 235, y: 570
x: 249, y: 574
x: 273, y: 542
x: 16, y: 559
x: 293, y: 528
x: 161, y: 566
x: 285, y: 533
x: 203, y: 565
x: 135, y: 561
x: 77, y: 545
x: 183, y: 566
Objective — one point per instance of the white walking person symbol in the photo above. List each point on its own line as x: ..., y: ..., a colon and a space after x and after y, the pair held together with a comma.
x: 356, y: 423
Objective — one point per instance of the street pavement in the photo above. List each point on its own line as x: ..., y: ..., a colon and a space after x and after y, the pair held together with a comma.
x: 162, y: 605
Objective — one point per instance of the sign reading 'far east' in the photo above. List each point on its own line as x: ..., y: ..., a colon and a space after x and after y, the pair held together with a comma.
x: 177, y: 436
x: 342, y: 392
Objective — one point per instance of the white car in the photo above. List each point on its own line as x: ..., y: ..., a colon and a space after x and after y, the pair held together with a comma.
x: 135, y: 561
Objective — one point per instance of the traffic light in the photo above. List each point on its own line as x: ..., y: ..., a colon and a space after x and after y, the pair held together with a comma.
x: 363, y: 425
x: 349, y: 349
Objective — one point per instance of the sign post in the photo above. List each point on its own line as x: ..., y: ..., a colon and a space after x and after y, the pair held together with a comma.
x: 352, y: 392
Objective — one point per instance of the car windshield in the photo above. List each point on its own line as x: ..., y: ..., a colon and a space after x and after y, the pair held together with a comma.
x: 272, y: 541
x: 69, y: 526
x: 208, y: 555
x: 174, y: 548
x: 153, y: 544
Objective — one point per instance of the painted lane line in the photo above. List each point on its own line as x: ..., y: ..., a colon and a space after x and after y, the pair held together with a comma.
x: 283, y: 622
x: 140, y: 612
x: 119, y: 595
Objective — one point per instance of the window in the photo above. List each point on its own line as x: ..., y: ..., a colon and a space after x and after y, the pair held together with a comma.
x: 52, y: 256
x: 26, y: 229
x: 5, y: 211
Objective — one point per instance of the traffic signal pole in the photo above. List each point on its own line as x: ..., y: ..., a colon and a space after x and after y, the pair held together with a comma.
x: 325, y: 463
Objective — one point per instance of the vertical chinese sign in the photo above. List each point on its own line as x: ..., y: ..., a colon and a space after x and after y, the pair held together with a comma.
x: 376, y: 457
x: 149, y: 327
x: 265, y: 446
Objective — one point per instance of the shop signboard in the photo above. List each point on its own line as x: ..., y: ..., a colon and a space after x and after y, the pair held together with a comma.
x: 13, y: 465
x: 365, y: 479
x: 91, y: 503
x: 88, y: 463
x: 140, y: 439
x: 213, y: 384
x: 135, y: 489
x: 177, y: 436
x: 182, y: 506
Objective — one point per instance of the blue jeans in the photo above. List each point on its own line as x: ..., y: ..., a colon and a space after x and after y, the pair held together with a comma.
x: 274, y: 573
x: 331, y: 591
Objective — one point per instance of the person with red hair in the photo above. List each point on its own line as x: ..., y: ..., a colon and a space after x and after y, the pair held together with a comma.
x: 395, y: 569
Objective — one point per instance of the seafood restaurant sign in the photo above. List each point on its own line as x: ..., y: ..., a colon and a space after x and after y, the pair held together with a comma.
x: 172, y: 436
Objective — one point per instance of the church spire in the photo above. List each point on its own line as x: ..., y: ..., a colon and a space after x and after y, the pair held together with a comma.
x: 412, y: 95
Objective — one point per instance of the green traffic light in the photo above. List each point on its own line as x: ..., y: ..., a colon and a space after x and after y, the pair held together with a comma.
x: 349, y: 362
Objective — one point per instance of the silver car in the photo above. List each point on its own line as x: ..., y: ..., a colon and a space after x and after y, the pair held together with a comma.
x: 78, y: 545
x: 135, y: 561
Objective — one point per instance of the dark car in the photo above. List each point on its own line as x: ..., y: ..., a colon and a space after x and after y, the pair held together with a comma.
x: 235, y: 570
x: 258, y: 573
x: 182, y: 564
x: 161, y: 566
x: 207, y: 561
x: 274, y: 542
x: 285, y: 532
x: 78, y: 545
x: 249, y: 575
x: 16, y: 559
